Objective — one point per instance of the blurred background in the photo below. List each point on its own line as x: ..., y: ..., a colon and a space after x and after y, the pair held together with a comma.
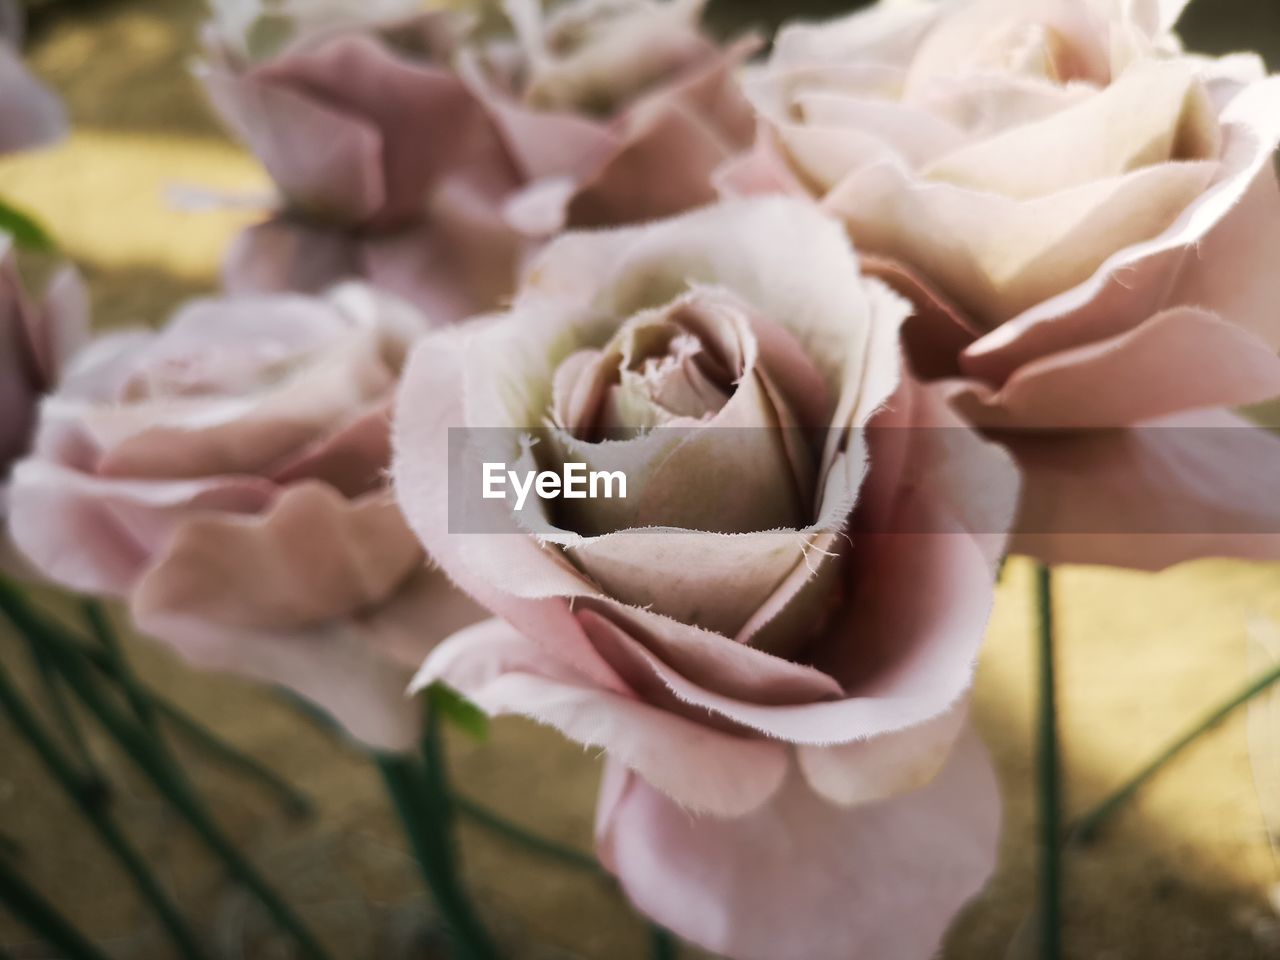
x: 1187, y: 871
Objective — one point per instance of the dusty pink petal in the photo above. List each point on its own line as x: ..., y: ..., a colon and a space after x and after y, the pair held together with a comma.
x: 325, y: 160
x: 334, y: 664
x: 429, y: 125
x: 663, y: 168
x: 1147, y: 498
x: 64, y: 326
x: 352, y: 460
x: 758, y: 172
x: 30, y: 114
x: 98, y: 536
x: 708, y: 659
x: 463, y: 260
x: 709, y: 580
x: 283, y: 254
x: 1231, y: 270
x: 878, y: 768
x: 425, y: 610
x: 189, y: 437
x: 937, y: 330
x: 802, y: 879
x: 1135, y: 282
x: 503, y: 672
x: 312, y: 556
x: 549, y: 144
x: 1182, y: 359
x: 229, y: 387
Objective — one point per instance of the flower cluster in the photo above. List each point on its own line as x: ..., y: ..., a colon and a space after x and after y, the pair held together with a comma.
x: 922, y: 285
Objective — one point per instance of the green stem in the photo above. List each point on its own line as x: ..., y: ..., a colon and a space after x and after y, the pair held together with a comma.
x: 421, y: 797
x: 166, y: 778
x: 1087, y: 827
x: 662, y: 945
x: 42, y: 918
x: 297, y: 804
x: 100, y: 624
x: 503, y: 827
x: 1049, y: 792
x: 109, y: 659
x: 83, y: 793
x: 64, y: 717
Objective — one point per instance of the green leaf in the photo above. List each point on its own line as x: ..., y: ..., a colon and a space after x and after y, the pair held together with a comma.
x: 26, y: 232
x: 459, y: 711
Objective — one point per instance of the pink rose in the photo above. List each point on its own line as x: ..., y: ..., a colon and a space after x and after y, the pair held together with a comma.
x: 616, y: 111
x: 226, y: 477
x: 774, y: 632
x: 30, y: 114
x: 390, y: 169
x: 434, y: 184
x: 1089, y: 222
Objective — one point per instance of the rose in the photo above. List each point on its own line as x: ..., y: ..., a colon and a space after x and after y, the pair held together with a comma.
x: 30, y: 114
x: 432, y: 184
x: 617, y: 111
x: 389, y: 167
x: 1087, y: 220
x: 226, y: 477
x: 776, y: 629
x: 39, y: 338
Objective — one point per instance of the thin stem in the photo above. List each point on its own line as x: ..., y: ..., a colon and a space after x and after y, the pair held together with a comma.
x: 81, y: 790
x: 1048, y: 775
x: 100, y: 624
x: 1086, y: 828
x: 64, y: 717
x: 109, y: 659
x: 166, y: 778
x: 517, y: 834
x: 297, y: 804
x: 43, y: 918
x: 421, y: 797
x: 662, y: 945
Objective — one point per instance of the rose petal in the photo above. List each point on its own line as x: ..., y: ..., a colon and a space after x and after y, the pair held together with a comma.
x: 997, y: 257
x: 312, y: 556
x: 325, y: 160
x: 503, y: 672
x: 1134, y: 281
x: 1181, y: 359
x: 879, y: 768
x: 286, y: 255
x: 1162, y: 493
x: 97, y: 535
x: 30, y: 114
x: 801, y: 878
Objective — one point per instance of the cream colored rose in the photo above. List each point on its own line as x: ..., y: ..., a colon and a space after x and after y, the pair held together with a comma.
x: 1088, y: 222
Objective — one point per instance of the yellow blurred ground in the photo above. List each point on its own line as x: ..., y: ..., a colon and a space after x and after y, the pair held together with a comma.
x: 1186, y: 873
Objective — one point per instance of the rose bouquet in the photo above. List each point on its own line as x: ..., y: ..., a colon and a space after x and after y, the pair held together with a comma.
x: 680, y: 396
